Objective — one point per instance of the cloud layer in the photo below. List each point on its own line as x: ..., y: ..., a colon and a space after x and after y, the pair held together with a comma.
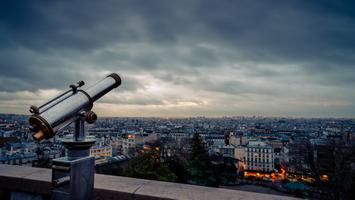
x: 183, y: 58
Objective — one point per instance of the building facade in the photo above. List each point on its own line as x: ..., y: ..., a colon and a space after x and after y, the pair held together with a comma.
x: 259, y: 156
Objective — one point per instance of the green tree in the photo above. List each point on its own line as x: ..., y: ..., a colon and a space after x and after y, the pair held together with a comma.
x: 340, y: 170
x: 148, y: 166
x: 200, y: 169
x: 178, y: 167
x: 228, y: 172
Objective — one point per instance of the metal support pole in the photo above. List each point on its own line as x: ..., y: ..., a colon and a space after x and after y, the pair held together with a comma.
x: 73, y: 175
x: 79, y: 125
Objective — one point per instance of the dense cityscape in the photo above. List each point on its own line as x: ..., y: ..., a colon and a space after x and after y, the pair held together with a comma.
x: 183, y: 100
x: 303, y: 157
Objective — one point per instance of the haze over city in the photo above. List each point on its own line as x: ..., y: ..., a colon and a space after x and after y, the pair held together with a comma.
x: 183, y: 58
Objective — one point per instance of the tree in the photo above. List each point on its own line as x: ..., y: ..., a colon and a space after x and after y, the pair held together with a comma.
x: 178, y: 167
x: 229, y: 171
x: 148, y: 166
x: 337, y: 162
x: 200, y: 169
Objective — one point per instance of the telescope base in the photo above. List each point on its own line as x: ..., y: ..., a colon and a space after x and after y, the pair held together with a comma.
x: 79, y: 149
x: 73, y: 178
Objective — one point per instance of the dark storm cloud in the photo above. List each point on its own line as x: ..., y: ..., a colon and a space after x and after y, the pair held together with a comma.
x: 276, y: 47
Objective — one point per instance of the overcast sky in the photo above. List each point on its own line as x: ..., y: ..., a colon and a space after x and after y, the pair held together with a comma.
x: 183, y: 58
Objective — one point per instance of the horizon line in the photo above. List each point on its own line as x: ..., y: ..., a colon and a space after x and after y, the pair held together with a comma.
x: 215, y: 117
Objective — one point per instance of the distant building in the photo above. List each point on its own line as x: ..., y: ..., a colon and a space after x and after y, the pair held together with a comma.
x: 179, y: 134
x: 19, y: 159
x: 18, y: 153
x: 239, y: 156
x: 129, y: 144
x: 238, y: 139
x: 116, y: 144
x: 296, y: 156
x: 132, y: 142
x: 101, y: 151
x: 276, y: 144
x: 214, y: 141
x: 259, y: 156
x: 227, y: 151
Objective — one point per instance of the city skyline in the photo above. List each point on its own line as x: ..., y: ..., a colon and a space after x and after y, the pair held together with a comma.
x: 182, y: 59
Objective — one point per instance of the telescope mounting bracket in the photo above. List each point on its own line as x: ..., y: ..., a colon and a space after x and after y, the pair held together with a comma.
x: 80, y: 144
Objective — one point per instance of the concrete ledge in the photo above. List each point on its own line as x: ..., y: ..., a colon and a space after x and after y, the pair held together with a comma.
x: 37, y: 181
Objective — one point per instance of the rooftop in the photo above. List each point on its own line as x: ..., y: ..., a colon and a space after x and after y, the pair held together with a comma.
x: 36, y: 181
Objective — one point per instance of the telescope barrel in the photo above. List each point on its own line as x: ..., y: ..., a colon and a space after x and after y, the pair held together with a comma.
x: 67, y: 109
x: 104, y: 86
x: 54, y: 101
x: 57, y: 99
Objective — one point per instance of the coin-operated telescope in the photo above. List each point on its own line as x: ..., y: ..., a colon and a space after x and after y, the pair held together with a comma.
x: 73, y: 175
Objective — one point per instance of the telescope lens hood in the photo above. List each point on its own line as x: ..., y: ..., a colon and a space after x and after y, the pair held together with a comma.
x: 117, y: 79
x: 45, y: 131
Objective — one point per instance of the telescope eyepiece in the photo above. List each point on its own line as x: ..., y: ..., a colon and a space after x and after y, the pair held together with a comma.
x: 39, y: 136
